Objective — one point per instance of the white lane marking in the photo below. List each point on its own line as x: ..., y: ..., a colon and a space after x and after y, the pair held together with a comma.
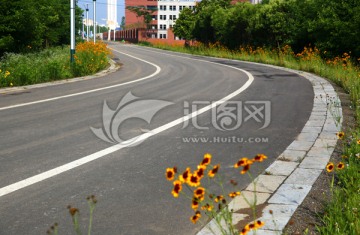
x: 71, y: 165
x: 158, y: 69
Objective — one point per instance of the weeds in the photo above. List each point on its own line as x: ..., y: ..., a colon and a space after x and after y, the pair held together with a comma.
x: 214, y: 205
x: 75, y: 214
x: 52, y: 64
x: 341, y: 214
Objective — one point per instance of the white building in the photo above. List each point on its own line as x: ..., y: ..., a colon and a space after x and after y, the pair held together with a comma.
x: 168, y: 12
x: 112, y: 14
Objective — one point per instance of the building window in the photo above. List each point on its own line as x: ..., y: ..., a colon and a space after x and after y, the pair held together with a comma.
x: 163, y: 26
x: 162, y: 7
x: 162, y: 17
x: 151, y: 7
x: 172, y: 17
x: 173, y: 8
x: 162, y: 35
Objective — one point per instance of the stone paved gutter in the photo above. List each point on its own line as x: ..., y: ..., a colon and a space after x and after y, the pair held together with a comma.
x: 283, y: 186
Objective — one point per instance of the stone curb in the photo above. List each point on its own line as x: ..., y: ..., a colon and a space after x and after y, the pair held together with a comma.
x: 113, y: 68
x: 283, y: 186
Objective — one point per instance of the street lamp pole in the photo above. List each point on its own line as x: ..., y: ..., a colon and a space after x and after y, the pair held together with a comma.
x: 87, y: 22
x: 94, y: 1
x: 72, y: 30
x: 83, y: 32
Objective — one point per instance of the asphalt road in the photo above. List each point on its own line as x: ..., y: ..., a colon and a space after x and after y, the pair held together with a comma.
x: 133, y: 194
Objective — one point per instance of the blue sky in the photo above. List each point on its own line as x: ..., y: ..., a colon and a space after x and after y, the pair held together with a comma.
x: 101, y: 9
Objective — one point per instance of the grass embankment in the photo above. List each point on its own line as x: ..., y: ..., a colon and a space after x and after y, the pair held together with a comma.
x: 342, y: 213
x: 52, y: 64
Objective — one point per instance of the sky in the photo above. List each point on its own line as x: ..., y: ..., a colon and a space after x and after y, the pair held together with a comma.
x: 101, y: 10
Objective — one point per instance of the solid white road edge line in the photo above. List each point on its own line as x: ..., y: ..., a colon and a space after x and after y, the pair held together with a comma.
x: 71, y: 165
x: 158, y: 69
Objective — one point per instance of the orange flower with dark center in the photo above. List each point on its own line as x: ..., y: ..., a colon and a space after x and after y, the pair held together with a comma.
x: 340, y: 135
x: 199, y: 192
x: 194, y: 181
x: 184, y: 177
x: 259, y: 158
x: 207, y: 159
x: 358, y: 141
x: 234, y: 194
x: 213, y: 171
x: 259, y: 224
x: 242, y: 162
x: 170, y: 173
x: 251, y: 226
x: 245, y: 169
x: 207, y: 207
x: 245, y: 230
x: 194, y: 203
x: 195, y: 217
x: 330, y: 167
x: 177, y: 188
x: 340, y: 166
x: 219, y: 198
x: 200, y: 171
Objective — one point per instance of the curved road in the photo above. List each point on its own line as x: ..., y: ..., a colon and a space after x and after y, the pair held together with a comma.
x: 53, y: 129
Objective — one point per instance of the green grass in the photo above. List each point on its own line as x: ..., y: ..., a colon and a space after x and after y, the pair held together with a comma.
x: 51, y: 64
x: 342, y: 213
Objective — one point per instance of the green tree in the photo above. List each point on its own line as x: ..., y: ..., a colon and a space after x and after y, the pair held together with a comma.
x: 142, y: 12
x: 275, y: 23
x: 18, y: 26
x: 184, y: 25
x: 35, y: 24
x: 233, y: 26
x: 203, y: 29
x: 122, y: 25
x: 337, y: 26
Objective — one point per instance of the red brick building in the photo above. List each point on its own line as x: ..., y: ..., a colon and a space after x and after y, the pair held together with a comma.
x: 160, y: 27
x: 130, y: 17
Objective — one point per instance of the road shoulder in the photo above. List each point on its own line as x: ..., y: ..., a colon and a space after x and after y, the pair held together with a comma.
x: 282, y: 188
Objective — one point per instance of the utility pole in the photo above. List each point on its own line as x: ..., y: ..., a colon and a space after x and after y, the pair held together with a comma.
x: 94, y: 1
x: 72, y: 30
x: 87, y: 22
x: 83, y: 32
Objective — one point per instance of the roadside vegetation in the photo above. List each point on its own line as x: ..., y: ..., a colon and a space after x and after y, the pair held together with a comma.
x: 52, y: 64
x: 341, y: 215
x: 320, y: 37
x: 34, y: 39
